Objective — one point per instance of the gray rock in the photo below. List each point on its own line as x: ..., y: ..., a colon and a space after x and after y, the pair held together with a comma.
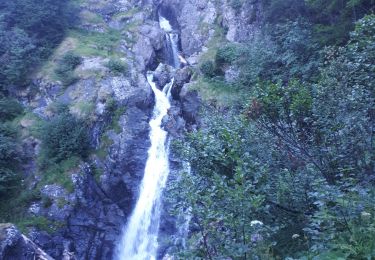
x: 154, y: 33
x: 163, y: 74
x: 244, y: 24
x: 15, y: 246
x: 190, y: 104
x: 95, y: 222
x: 181, y: 77
x: 173, y: 123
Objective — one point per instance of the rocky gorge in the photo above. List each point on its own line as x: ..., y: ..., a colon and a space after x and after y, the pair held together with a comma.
x: 84, y: 219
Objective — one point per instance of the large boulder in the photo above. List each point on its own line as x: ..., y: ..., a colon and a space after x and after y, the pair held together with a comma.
x: 190, y: 103
x: 162, y: 75
x: 154, y: 33
x: 144, y: 53
x: 15, y: 246
x: 181, y: 77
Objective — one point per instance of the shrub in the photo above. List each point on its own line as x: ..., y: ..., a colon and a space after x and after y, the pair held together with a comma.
x: 208, y: 69
x: 65, y: 136
x: 9, y: 158
x: 227, y: 54
x: 66, y: 66
x: 9, y: 109
x: 117, y: 66
x: 9, y: 146
x: 71, y: 60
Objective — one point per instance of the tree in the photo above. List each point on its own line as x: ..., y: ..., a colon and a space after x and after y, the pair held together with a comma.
x: 17, y: 56
x: 29, y: 30
x: 10, y: 154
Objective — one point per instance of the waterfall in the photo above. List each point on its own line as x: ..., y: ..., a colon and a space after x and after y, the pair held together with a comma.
x: 139, y: 239
x: 172, y: 39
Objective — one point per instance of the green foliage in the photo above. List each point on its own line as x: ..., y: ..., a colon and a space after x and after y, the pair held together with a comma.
x: 59, y: 172
x: 333, y: 23
x: 208, y: 68
x: 278, y: 11
x: 115, y: 111
x: 70, y: 60
x: 29, y: 30
x: 332, y: 20
x: 18, y: 54
x: 117, y: 66
x: 300, y: 157
x: 9, y: 109
x: 64, y: 136
x: 9, y: 146
x: 222, y: 194
x: 297, y: 55
x: 291, y: 104
x: 92, y: 43
x: 12, y: 206
x: 227, y: 54
x: 39, y: 222
x: 257, y: 61
x: 9, y: 159
x: 65, y: 68
x: 344, y: 223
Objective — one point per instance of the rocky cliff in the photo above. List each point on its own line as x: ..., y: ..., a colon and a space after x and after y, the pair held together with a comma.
x: 85, y: 220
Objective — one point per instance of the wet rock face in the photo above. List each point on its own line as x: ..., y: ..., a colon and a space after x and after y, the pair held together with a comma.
x: 102, y: 205
x: 15, y: 246
x: 95, y: 223
x: 162, y: 75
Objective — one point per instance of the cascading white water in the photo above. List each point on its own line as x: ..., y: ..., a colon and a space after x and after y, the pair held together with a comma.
x: 139, y: 239
x: 171, y: 41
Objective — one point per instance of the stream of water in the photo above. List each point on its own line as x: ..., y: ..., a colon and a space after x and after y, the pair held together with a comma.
x: 140, y: 237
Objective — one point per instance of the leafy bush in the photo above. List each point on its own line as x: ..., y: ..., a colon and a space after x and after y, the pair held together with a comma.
x: 20, y: 55
x: 208, y: 69
x: 70, y: 60
x: 13, y: 205
x: 9, y: 159
x: 257, y: 60
x: 66, y: 66
x: 9, y: 146
x: 9, y: 109
x: 29, y: 30
x: 39, y: 222
x: 117, y: 66
x: 60, y: 172
x: 227, y: 54
x: 299, y: 159
x: 65, y: 136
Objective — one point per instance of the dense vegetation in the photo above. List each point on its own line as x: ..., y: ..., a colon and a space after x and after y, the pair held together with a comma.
x: 66, y: 66
x: 29, y: 30
x: 289, y: 170
x: 9, y: 148
x: 64, y: 136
